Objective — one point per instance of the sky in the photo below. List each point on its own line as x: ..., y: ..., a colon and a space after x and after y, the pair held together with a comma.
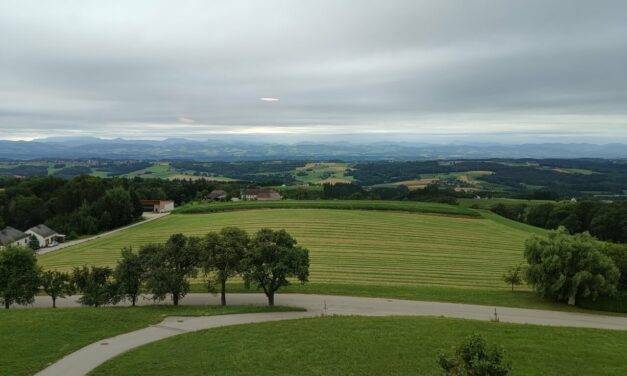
x: 442, y: 71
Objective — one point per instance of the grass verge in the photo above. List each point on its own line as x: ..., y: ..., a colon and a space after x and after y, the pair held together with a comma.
x: 34, y: 338
x: 370, y: 346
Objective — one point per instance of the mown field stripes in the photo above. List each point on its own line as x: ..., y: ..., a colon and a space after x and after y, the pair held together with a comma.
x: 347, y: 246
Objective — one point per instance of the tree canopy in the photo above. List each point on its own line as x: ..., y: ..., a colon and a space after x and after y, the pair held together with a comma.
x: 222, y: 254
x: 169, y: 266
x: 565, y: 267
x: 272, y: 258
x: 19, y: 280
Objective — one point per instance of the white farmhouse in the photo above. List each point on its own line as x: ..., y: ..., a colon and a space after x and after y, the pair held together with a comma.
x: 12, y: 236
x: 45, y: 235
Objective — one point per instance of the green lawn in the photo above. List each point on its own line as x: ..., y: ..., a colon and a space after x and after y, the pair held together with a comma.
x: 347, y: 246
x: 370, y: 346
x: 34, y: 338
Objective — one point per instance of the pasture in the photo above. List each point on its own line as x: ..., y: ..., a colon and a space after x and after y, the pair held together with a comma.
x: 355, y: 247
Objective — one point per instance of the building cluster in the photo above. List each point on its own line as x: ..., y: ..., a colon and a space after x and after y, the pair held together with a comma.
x: 249, y: 194
x: 42, y: 234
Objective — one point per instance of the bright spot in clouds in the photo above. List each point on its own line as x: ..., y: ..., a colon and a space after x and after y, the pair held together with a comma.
x: 186, y: 120
x: 269, y: 99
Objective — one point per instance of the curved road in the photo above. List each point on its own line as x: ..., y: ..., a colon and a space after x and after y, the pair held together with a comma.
x: 91, y: 356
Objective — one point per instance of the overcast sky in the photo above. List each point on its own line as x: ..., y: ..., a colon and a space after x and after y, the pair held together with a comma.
x: 508, y: 71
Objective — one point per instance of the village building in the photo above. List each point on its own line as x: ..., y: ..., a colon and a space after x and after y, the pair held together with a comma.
x: 158, y: 206
x: 45, y: 235
x: 11, y: 236
x: 217, y: 195
x: 261, y: 194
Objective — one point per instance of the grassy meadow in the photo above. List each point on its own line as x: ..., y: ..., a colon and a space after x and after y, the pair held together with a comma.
x: 347, y: 246
x: 370, y: 346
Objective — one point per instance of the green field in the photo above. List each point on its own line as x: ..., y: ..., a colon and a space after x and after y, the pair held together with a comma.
x: 34, y: 338
x: 321, y: 173
x: 347, y: 246
x: 402, y: 206
x: 370, y: 346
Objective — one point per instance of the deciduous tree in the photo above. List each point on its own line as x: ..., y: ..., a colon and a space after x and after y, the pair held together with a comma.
x: 513, y: 276
x: 565, y: 267
x: 222, y: 254
x: 272, y: 258
x: 128, y: 275
x: 56, y: 284
x: 169, y: 266
x: 96, y: 284
x: 19, y: 278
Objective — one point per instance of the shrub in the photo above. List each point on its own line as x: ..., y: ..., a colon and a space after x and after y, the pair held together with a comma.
x: 475, y: 358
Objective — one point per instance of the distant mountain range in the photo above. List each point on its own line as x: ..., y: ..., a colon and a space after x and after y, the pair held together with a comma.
x: 213, y: 150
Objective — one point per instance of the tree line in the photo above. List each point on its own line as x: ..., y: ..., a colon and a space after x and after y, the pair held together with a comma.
x: 84, y: 205
x: 88, y: 204
x: 266, y: 260
x: 605, y: 221
x: 431, y: 193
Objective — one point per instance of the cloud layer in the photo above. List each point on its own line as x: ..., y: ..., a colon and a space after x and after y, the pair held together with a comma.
x: 520, y: 70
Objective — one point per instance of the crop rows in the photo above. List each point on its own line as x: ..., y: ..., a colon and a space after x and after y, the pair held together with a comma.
x: 357, y: 247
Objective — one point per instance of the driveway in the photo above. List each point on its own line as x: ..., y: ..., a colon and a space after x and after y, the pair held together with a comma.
x: 147, y: 217
x: 91, y: 356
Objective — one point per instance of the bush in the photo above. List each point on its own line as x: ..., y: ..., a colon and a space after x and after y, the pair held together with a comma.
x: 475, y: 358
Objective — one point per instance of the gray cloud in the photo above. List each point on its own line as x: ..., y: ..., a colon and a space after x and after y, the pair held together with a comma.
x: 499, y: 70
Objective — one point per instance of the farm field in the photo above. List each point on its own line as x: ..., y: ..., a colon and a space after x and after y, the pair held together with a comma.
x: 43, y: 335
x: 402, y: 206
x: 347, y: 246
x: 370, y: 346
x: 322, y: 173
x: 164, y: 170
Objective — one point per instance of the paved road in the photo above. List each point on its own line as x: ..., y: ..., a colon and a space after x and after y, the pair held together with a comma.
x: 347, y: 305
x: 148, y: 216
x: 89, y: 357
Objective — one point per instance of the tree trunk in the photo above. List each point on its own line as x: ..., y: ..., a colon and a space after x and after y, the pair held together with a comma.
x: 270, y: 298
x: 175, y: 299
x: 512, y: 287
x: 54, y: 302
x: 6, y: 304
x: 223, y: 292
x: 571, y: 300
x: 133, y: 300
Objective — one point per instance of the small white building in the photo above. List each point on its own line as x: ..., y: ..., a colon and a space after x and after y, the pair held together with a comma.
x: 45, y: 235
x: 158, y: 206
x: 11, y: 236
